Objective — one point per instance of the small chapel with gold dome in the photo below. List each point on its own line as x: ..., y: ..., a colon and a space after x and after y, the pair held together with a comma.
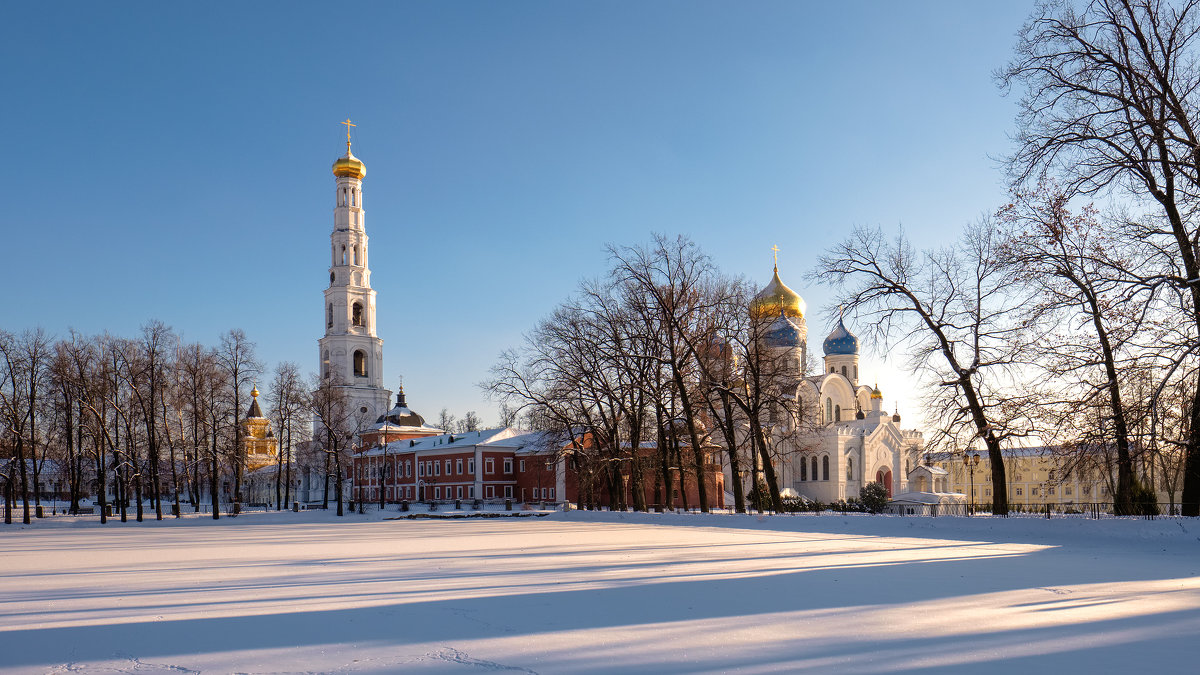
x: 839, y: 438
x: 260, y: 448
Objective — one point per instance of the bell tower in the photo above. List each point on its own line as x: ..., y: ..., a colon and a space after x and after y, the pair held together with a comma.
x: 351, y: 351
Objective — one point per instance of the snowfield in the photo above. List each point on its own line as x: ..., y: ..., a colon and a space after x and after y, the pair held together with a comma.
x: 584, y: 592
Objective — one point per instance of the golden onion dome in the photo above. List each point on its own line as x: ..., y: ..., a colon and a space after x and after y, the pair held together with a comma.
x: 876, y: 394
x: 254, y: 391
x: 349, y: 165
x: 777, y: 299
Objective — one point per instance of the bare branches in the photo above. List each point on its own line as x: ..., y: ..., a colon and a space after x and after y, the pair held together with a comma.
x: 1110, y: 102
x: 954, y: 311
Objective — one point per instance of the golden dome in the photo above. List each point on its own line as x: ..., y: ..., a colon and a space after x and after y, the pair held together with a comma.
x: 349, y: 165
x: 254, y: 391
x: 777, y: 299
x: 875, y: 393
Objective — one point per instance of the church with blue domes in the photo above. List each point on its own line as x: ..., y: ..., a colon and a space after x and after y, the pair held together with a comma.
x: 838, y: 437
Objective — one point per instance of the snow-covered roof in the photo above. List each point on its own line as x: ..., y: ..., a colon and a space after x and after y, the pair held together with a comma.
x: 531, y: 442
x: 468, y: 439
x: 397, y: 428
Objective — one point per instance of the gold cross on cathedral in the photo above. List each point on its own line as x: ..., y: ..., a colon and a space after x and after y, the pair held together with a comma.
x: 348, y: 124
x: 776, y: 250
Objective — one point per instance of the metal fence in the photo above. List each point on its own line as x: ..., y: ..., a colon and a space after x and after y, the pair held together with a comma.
x: 1093, y: 510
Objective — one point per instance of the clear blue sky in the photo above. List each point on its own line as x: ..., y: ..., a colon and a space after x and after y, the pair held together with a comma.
x: 172, y: 160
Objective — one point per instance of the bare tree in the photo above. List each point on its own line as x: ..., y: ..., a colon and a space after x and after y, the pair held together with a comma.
x: 1111, y: 103
x: 67, y: 392
x: 333, y: 430
x: 1083, y: 320
x: 955, y: 310
x: 446, y: 421
x: 509, y: 415
x: 197, y: 370
x: 288, y: 405
x: 470, y: 422
x: 235, y: 356
x: 25, y: 363
x: 668, y: 281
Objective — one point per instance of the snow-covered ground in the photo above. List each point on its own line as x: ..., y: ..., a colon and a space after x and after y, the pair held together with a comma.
x: 600, y: 592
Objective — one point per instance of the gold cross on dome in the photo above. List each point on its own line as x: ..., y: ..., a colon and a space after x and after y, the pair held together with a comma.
x: 348, y: 124
x: 776, y: 250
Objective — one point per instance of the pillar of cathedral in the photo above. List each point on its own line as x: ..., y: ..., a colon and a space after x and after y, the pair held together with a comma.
x: 351, y: 351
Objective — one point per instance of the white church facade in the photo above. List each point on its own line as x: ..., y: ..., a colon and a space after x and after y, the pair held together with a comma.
x: 841, y: 437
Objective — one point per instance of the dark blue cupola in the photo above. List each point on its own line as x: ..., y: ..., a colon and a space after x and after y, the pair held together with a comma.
x: 840, y: 341
x: 783, y: 333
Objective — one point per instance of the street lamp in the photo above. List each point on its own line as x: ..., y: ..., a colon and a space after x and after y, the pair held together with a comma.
x: 971, y: 467
x: 383, y: 472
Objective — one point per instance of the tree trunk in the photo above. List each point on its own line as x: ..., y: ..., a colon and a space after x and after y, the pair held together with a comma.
x: 768, y: 468
x: 735, y: 469
x: 101, y: 480
x: 697, y: 451
x: 24, y: 479
x: 325, y: 495
x: 337, y: 461
x: 214, y: 478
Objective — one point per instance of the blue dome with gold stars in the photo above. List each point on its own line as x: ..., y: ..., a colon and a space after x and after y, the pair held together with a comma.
x: 840, y: 341
x: 783, y: 332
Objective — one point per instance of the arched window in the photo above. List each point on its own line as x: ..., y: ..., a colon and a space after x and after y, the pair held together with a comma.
x: 357, y: 313
x: 828, y: 409
x: 803, y: 469
x: 343, y: 254
x: 855, y: 373
x: 832, y: 369
x: 325, y: 365
x: 328, y: 322
x: 825, y: 467
x: 352, y: 197
x: 360, y: 363
x: 843, y: 371
x: 849, y: 468
x: 355, y: 250
x: 815, y: 476
x: 837, y: 413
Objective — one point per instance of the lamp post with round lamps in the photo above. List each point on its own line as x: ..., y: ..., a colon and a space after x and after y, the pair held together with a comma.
x: 970, y: 465
x: 383, y: 474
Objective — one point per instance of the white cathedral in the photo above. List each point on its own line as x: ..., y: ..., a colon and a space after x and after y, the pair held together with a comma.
x: 848, y: 439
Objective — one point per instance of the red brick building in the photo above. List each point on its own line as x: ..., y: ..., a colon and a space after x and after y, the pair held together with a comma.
x: 491, y: 464
x: 502, y: 464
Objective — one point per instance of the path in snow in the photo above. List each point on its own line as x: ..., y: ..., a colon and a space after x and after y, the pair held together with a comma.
x: 589, y: 592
